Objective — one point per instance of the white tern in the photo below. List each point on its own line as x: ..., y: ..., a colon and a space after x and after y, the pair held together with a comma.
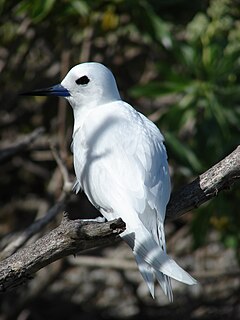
x: 121, y: 164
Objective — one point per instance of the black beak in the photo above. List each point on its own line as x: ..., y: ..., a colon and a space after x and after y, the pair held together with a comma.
x: 57, y: 90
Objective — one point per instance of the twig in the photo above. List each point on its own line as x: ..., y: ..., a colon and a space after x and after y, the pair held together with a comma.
x: 8, y: 153
x: 88, y: 34
x: 34, y: 228
x: 116, y: 263
x: 67, y: 184
x: 62, y: 106
x: 206, y: 186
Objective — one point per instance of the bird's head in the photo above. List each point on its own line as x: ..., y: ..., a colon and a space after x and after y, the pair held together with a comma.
x: 86, y: 84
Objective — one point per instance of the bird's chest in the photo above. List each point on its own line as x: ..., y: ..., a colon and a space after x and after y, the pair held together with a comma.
x: 92, y: 147
x: 103, y: 150
x: 90, y: 154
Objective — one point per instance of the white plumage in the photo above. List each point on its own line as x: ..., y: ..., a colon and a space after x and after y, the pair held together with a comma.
x: 121, y: 164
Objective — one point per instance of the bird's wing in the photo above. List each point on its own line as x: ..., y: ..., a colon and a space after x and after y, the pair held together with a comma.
x: 151, y: 155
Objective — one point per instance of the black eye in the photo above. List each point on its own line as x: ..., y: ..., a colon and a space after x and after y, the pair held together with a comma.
x: 82, y: 80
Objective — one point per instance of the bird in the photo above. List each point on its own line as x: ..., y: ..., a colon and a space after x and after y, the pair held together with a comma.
x: 121, y: 164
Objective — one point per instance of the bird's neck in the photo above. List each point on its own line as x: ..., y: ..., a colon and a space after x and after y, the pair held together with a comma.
x: 80, y: 115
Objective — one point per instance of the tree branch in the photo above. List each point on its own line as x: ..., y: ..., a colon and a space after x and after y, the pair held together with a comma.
x: 70, y: 237
x: 73, y: 236
x: 205, y: 187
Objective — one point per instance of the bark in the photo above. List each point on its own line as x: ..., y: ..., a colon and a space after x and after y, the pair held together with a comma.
x: 205, y: 187
x: 71, y: 237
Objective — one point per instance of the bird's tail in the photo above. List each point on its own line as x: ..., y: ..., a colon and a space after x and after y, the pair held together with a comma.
x: 149, y: 275
x: 153, y: 262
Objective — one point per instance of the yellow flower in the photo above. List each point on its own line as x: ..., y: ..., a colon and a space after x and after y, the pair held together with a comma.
x: 109, y: 20
x: 220, y: 223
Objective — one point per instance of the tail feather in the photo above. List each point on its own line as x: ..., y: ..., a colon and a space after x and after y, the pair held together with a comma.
x: 147, y: 249
x: 147, y: 273
x: 165, y: 283
x: 153, y: 262
x: 163, y: 280
x: 151, y: 253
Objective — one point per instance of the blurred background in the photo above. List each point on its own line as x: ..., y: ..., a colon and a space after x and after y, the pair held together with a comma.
x: 176, y: 61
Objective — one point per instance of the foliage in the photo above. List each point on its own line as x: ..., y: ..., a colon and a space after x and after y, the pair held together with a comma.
x: 203, y: 125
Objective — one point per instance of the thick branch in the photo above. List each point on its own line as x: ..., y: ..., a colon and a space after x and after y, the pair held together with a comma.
x: 73, y: 236
x: 70, y: 237
x: 206, y: 186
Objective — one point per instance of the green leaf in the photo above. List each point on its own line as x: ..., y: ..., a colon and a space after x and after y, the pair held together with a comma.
x: 81, y: 7
x: 231, y: 241
x: 38, y: 9
x: 182, y: 152
x: 157, y: 88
